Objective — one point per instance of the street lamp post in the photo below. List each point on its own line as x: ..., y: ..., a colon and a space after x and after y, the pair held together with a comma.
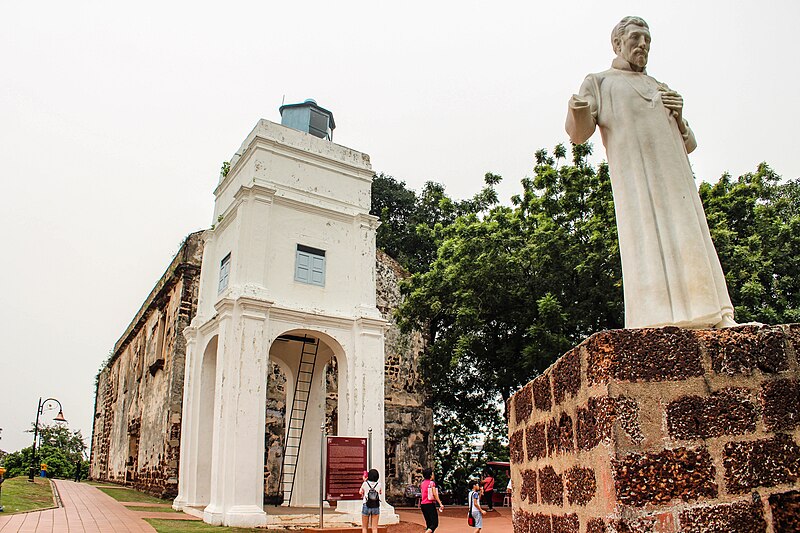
x: 59, y: 418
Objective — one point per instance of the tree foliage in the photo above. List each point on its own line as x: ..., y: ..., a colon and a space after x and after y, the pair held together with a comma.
x: 755, y: 224
x: 502, y: 291
x: 58, y: 447
x: 411, y: 223
x: 513, y: 289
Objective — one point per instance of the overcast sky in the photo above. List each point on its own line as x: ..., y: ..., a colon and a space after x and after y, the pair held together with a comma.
x: 115, y: 119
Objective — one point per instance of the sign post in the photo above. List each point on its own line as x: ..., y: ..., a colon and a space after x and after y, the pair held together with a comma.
x: 321, y: 470
x: 347, y: 460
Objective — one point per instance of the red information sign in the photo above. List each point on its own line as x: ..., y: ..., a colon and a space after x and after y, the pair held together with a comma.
x: 347, y: 460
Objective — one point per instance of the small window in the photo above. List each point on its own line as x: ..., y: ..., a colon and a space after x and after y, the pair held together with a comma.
x: 224, y: 273
x: 309, y: 266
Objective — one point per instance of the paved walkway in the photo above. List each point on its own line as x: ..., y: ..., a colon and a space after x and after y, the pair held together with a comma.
x: 454, y: 520
x: 85, y: 510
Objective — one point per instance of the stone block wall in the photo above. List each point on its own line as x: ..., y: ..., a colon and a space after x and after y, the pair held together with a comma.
x: 138, y: 402
x: 408, y: 413
x: 662, y: 430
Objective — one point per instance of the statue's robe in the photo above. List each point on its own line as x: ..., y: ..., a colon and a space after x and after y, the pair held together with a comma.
x: 670, y: 270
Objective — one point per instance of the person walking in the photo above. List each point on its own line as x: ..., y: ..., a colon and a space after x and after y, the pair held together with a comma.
x: 370, y: 491
x: 488, y: 490
x: 475, y: 509
x: 428, y: 501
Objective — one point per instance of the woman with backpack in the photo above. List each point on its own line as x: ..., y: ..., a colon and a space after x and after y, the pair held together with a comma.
x: 427, y: 504
x: 371, y: 509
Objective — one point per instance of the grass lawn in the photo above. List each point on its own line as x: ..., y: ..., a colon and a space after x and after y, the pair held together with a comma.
x: 190, y: 526
x: 18, y: 495
x: 124, y: 494
x: 143, y: 509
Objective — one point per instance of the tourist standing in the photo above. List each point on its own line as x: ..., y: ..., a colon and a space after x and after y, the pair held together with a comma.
x: 475, y: 505
x: 488, y: 490
x: 370, y: 491
x: 428, y: 501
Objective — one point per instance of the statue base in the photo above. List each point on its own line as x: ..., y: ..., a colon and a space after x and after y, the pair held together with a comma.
x: 662, y: 431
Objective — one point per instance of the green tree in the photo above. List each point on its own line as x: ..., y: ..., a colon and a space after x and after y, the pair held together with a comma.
x: 58, y: 447
x: 510, y: 290
x: 411, y: 223
x: 755, y: 224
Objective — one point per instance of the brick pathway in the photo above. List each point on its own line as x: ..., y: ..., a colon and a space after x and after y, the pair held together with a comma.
x: 454, y: 520
x: 85, y: 510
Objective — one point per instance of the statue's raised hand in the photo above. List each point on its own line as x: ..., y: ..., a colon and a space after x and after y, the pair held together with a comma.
x: 674, y: 102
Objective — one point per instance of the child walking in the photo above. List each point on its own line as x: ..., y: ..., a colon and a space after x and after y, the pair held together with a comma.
x: 475, y: 505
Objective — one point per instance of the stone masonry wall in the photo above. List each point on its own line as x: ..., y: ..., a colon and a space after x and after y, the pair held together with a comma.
x: 662, y: 430
x: 408, y: 413
x: 136, y: 436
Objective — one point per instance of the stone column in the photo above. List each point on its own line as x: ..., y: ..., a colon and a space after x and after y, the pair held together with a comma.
x: 238, y: 471
x: 188, y: 458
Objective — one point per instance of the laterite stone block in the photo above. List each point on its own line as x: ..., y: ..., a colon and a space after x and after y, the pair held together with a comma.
x: 726, y: 412
x: 659, y: 478
x: 761, y: 463
x: 743, y: 517
x: 780, y: 399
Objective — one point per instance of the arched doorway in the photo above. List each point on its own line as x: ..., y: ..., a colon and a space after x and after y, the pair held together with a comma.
x: 307, y: 357
x: 208, y: 379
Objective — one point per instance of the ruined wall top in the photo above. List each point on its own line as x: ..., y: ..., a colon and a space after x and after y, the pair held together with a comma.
x: 189, y: 256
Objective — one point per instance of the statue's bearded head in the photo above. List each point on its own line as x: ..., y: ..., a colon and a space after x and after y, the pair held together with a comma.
x: 631, y: 41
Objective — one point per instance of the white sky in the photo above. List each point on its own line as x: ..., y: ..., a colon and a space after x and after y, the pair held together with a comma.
x: 115, y: 118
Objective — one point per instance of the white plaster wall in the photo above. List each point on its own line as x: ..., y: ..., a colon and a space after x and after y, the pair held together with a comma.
x: 284, y: 188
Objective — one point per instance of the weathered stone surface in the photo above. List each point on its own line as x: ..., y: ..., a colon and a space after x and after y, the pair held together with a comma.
x: 658, y: 478
x: 275, y: 429
x: 626, y: 411
x: 780, y: 400
x: 760, y: 463
x: 523, y: 404
x: 566, y: 523
x: 644, y: 524
x: 595, y: 422
x: 516, y: 448
x: 408, y: 417
x: 559, y: 435
x: 567, y: 376
x: 643, y: 355
x: 528, y: 490
x: 551, y: 486
x: 581, y: 485
x: 139, y: 395
x: 739, y: 517
x: 525, y: 522
x: 785, y: 511
x: 726, y: 412
x: 659, y: 435
x: 743, y: 349
x: 596, y: 525
x: 542, y: 397
x: 536, y: 441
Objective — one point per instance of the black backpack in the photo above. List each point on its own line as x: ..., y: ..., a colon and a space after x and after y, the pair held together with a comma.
x: 373, y: 498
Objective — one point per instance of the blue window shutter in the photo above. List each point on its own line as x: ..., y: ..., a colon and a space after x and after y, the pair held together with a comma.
x: 224, y: 273
x: 309, y: 265
x: 302, y: 270
x: 317, y: 270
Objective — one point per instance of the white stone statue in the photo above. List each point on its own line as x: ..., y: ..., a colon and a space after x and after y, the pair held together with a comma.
x: 670, y: 270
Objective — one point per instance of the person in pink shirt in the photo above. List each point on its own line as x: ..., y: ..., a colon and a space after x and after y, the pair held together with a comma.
x: 428, y: 501
x: 488, y: 490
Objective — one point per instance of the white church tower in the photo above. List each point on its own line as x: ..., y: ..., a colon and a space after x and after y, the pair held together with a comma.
x: 288, y: 277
